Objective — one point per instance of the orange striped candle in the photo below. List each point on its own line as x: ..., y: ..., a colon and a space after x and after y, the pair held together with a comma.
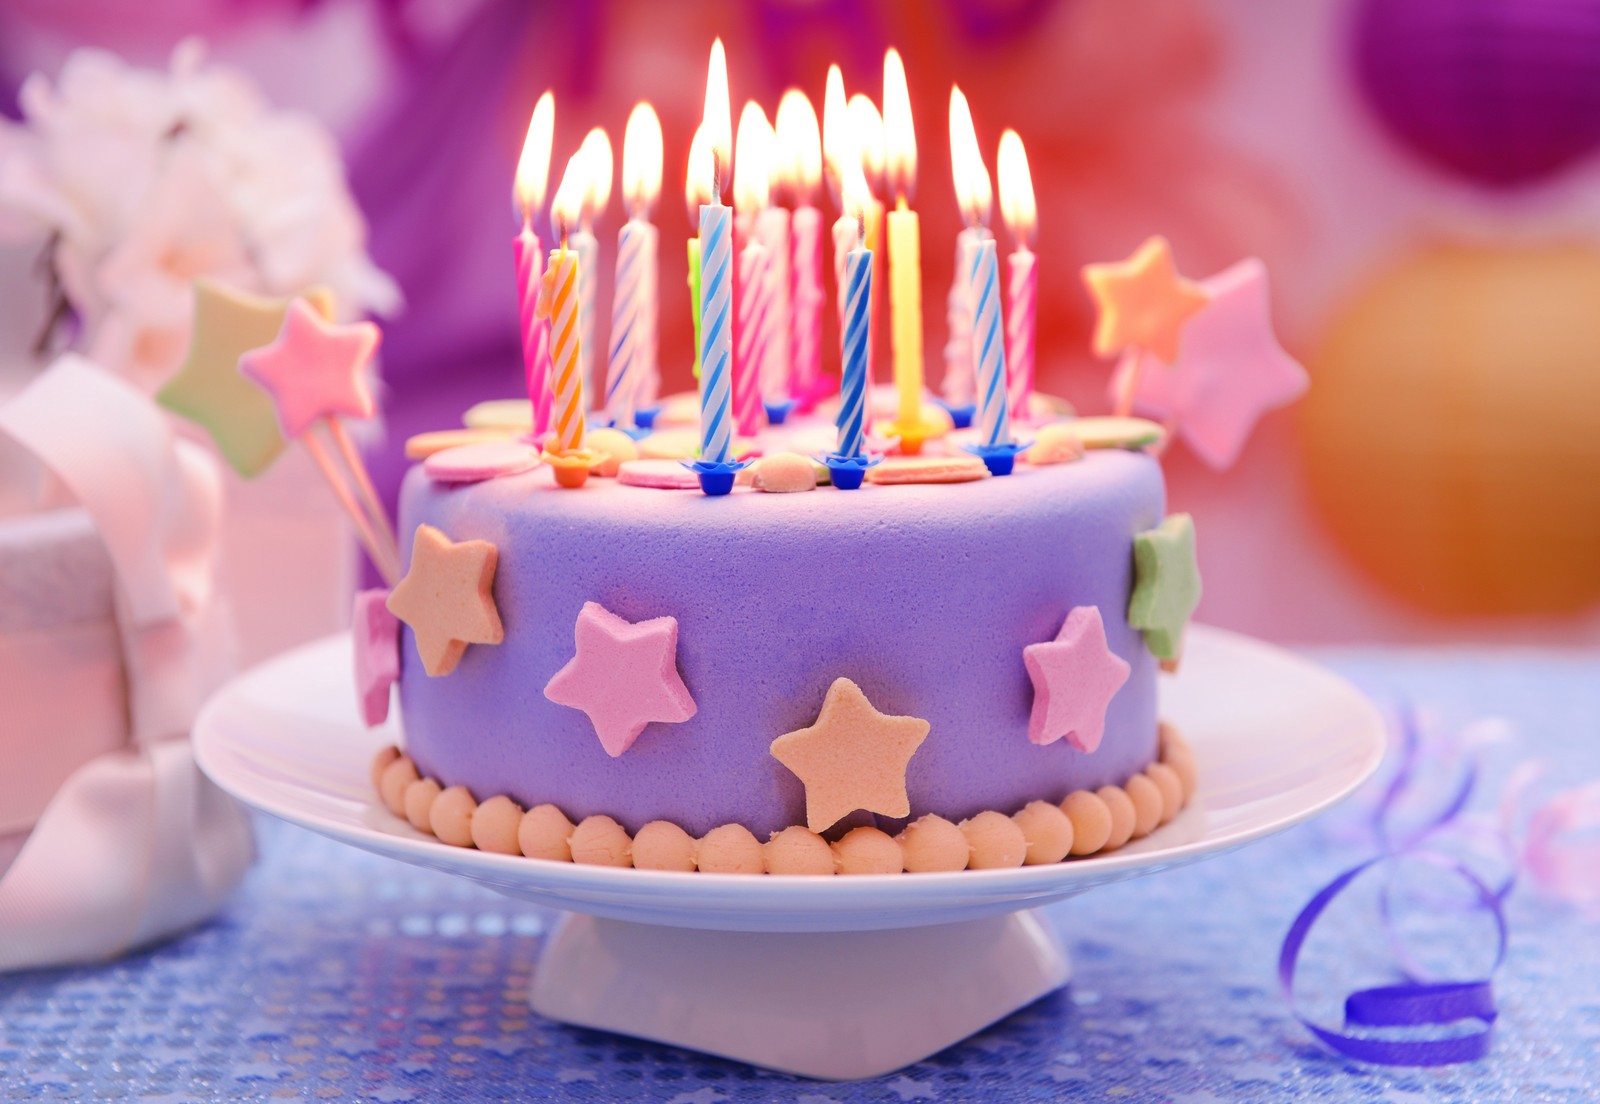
x: 559, y: 302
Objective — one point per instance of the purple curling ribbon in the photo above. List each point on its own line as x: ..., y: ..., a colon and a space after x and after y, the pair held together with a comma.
x: 1466, y: 1007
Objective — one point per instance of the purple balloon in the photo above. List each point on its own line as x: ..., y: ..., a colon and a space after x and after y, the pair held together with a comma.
x: 1504, y: 92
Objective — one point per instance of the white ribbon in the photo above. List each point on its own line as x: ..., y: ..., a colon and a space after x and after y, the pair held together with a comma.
x: 137, y: 844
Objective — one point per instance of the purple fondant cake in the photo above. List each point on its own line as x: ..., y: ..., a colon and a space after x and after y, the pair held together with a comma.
x: 924, y: 596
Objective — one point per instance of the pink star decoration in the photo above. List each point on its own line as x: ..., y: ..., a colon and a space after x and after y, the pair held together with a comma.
x: 1230, y: 369
x: 377, y: 636
x: 315, y: 369
x: 624, y: 676
x: 1075, y: 676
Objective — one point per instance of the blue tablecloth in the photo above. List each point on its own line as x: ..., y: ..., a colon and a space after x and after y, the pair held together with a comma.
x: 336, y: 975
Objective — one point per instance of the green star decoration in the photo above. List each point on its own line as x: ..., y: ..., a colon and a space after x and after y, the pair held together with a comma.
x: 209, y: 390
x: 1166, y: 585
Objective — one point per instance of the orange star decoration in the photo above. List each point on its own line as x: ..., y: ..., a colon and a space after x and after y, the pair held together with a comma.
x: 447, y: 598
x: 1143, y: 302
x: 854, y: 757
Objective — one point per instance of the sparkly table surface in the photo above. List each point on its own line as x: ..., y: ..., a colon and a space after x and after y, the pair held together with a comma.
x: 337, y: 975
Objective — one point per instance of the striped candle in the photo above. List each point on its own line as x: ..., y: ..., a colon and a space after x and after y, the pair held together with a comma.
x: 988, y: 347
x: 559, y: 301
x: 958, y: 384
x: 846, y: 236
x: 772, y: 231
x: 805, y: 335
x: 1021, y: 323
x: 857, y: 341
x: 587, y: 248
x: 535, y: 330
x: 716, y: 333
x: 630, y: 308
x: 755, y: 329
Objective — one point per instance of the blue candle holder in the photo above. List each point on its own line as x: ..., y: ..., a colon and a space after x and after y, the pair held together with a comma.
x: 961, y: 416
x: 645, y: 417
x: 846, y: 471
x: 716, y: 476
x: 778, y: 412
x: 638, y: 432
x: 999, y: 459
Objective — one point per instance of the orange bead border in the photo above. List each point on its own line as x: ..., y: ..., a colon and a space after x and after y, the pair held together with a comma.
x: 1085, y: 822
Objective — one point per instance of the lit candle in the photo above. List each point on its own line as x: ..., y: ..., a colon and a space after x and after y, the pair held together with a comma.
x: 756, y: 315
x: 800, y: 145
x: 560, y: 300
x: 958, y: 386
x: 715, y: 467
x: 1019, y: 210
x: 849, y: 463
x: 633, y: 303
x: 973, y: 188
x: 867, y: 125
x: 533, y: 174
x: 696, y: 193
x: 596, y: 149
x: 905, y: 257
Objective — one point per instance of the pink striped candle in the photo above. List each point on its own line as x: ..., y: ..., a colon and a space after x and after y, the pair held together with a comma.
x: 754, y: 334
x: 772, y: 231
x: 959, y: 388
x: 1021, y: 324
x: 805, y: 345
x: 529, y: 253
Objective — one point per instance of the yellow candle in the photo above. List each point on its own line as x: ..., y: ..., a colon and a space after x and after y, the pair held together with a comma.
x: 905, y: 305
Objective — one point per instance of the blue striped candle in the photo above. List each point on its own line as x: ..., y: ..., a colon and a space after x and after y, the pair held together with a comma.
x: 857, y: 341
x: 630, y: 333
x: 989, y: 347
x: 716, y: 333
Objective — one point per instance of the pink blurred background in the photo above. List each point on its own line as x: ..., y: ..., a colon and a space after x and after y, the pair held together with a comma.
x: 1433, y: 263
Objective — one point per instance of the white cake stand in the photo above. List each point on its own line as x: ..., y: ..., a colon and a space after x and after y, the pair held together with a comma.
x: 826, y: 977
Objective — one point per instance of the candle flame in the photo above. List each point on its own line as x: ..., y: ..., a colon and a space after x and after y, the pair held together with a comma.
x: 697, y: 179
x: 899, y: 135
x: 718, y: 118
x: 533, y: 167
x: 1016, y: 189
x: 837, y: 142
x: 866, y: 127
x: 752, y: 177
x: 641, y: 159
x: 974, y: 192
x: 597, y: 195
x: 799, y: 145
x: 571, y: 194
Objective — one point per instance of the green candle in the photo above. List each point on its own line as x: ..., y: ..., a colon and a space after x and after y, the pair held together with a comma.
x: 694, y: 298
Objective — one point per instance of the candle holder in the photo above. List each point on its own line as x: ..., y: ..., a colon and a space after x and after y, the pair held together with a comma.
x: 912, y: 436
x: 999, y: 459
x: 961, y: 414
x: 571, y: 466
x: 778, y: 411
x: 716, y: 476
x: 848, y: 471
x: 645, y: 417
x: 638, y: 431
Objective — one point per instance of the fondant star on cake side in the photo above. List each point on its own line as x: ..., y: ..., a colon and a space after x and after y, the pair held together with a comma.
x: 624, y: 676
x: 1143, y: 302
x: 1166, y: 586
x: 853, y: 757
x: 447, y: 597
x: 1075, y: 676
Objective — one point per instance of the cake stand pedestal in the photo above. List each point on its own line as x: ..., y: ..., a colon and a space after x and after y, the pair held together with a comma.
x: 832, y: 1005
x: 829, y: 977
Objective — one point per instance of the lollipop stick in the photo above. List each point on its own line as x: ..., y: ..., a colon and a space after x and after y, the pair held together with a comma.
x: 369, y: 495
x: 387, y: 567
x: 1130, y: 369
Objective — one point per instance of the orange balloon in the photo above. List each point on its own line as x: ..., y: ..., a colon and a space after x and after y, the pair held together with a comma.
x: 1451, y: 436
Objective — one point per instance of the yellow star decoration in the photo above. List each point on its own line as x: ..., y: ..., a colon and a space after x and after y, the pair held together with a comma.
x: 1143, y: 302
x: 209, y: 389
x: 447, y: 597
x: 854, y: 757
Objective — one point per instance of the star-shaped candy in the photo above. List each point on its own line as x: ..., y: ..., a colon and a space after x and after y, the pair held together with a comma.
x: 209, y: 389
x: 1230, y: 368
x: 1143, y: 302
x: 1075, y: 676
x: 853, y: 757
x: 315, y: 369
x: 624, y: 676
x: 377, y: 639
x: 1166, y: 585
x: 447, y: 597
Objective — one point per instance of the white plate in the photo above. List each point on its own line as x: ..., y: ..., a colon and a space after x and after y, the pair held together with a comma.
x: 1278, y: 739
